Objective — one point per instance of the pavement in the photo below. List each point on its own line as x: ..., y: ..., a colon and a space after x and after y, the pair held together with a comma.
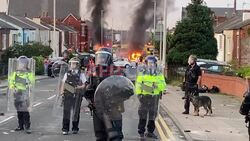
x: 225, y: 124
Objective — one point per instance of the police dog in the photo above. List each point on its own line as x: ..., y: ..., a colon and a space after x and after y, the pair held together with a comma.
x: 201, y: 101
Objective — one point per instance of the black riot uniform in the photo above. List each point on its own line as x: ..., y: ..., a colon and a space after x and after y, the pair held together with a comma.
x: 191, y: 77
x: 72, y: 100
x: 244, y: 110
x: 103, y: 69
x: 109, y: 102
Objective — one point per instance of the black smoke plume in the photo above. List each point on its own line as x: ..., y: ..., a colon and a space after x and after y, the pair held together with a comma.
x: 143, y: 19
x: 98, y: 6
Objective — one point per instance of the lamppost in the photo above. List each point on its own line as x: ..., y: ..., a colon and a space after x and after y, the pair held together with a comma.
x: 164, y: 34
x: 54, y: 29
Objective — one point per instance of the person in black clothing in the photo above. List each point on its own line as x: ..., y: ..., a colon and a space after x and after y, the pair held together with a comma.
x: 192, y: 81
x: 245, y: 108
x: 72, y: 88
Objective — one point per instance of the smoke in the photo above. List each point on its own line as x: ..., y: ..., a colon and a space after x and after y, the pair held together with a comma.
x: 142, y: 20
x: 98, y: 6
x: 44, y: 7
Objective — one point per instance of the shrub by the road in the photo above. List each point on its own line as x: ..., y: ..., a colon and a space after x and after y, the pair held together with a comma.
x: 39, y: 65
x: 244, y: 71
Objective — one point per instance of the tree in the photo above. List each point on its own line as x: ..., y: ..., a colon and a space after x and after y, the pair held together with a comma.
x: 194, y: 35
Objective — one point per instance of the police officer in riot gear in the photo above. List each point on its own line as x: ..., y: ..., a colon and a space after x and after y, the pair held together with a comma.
x: 245, y: 108
x: 109, y: 103
x: 21, y: 81
x: 192, y: 82
x: 72, y: 89
x: 103, y: 69
x: 150, y: 83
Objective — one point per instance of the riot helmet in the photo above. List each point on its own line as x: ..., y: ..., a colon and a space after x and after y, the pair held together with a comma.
x: 103, y: 58
x: 74, y: 63
x: 151, y: 61
x: 22, y: 63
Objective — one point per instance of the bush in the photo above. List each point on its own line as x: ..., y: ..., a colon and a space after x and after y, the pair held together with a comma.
x: 39, y: 65
x: 29, y: 50
x: 243, y: 71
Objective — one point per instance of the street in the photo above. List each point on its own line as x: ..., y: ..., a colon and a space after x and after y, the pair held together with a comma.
x: 46, y: 127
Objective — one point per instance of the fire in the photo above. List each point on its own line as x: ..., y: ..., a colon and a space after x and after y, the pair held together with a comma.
x: 135, y: 56
x: 97, y: 47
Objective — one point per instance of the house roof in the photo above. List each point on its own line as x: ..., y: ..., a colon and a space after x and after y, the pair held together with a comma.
x: 218, y: 11
x: 9, y: 19
x: 63, y: 8
x: 227, y: 24
x: 4, y: 25
x: 31, y: 23
x: 240, y: 24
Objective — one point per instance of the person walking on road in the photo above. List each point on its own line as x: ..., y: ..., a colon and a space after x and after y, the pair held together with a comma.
x: 191, y: 82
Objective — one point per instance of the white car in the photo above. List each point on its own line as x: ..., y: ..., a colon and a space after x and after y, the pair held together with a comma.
x: 123, y: 62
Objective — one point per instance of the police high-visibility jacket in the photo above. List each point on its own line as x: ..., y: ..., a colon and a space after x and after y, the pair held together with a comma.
x: 147, y: 84
x: 21, y: 80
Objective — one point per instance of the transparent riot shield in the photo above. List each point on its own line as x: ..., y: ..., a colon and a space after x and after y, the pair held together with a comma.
x: 117, y: 108
x: 149, y: 85
x: 56, y: 68
x: 21, y: 80
x: 58, y: 104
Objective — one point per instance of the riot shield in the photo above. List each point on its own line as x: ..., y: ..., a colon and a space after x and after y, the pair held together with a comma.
x: 117, y: 108
x: 21, y: 80
x: 55, y: 69
x: 149, y: 85
x: 58, y: 104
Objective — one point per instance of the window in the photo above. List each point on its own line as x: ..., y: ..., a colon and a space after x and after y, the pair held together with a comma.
x: 4, y: 41
x: 14, y: 39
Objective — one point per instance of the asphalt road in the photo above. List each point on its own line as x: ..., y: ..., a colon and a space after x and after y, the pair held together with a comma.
x: 46, y: 127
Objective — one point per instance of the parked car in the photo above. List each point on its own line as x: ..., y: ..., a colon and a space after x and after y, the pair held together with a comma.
x: 123, y: 62
x: 211, y: 66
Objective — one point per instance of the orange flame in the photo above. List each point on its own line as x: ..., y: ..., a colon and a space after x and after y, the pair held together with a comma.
x: 135, y: 56
x: 97, y: 47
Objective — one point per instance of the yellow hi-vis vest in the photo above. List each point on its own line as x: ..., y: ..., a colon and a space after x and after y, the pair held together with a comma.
x: 21, y: 80
x: 150, y: 84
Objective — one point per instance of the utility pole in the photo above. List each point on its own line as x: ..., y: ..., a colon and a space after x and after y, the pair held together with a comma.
x: 161, y: 31
x: 54, y: 29
x: 102, y: 27
x: 164, y: 34
x: 154, y: 25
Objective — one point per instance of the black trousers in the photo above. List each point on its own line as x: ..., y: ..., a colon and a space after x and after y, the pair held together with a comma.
x: 71, y: 103
x: 23, y: 120
x: 148, y: 111
x: 104, y: 133
x: 191, y: 89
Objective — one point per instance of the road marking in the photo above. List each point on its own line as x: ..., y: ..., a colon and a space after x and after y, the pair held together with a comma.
x: 169, y: 132
x: 7, y: 119
x: 51, y: 97
x: 39, y: 103
x: 160, y: 131
x: 5, y: 133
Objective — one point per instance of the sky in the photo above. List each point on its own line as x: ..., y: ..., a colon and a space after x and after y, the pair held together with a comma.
x: 121, y: 11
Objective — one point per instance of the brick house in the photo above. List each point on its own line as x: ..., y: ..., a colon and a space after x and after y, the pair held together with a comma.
x: 82, y: 28
x: 241, y: 41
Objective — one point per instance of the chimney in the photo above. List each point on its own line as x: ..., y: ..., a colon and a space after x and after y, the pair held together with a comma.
x: 235, y: 6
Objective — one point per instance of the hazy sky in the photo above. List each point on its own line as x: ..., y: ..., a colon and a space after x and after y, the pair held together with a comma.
x: 121, y: 11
